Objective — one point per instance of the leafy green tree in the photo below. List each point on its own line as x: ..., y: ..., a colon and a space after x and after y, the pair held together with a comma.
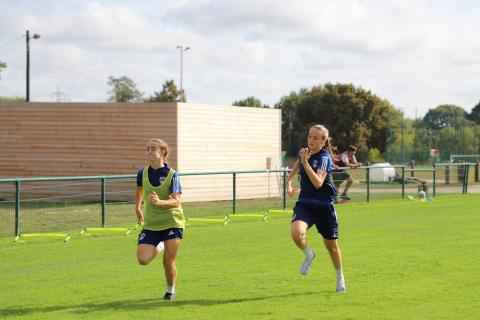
x: 249, y: 102
x: 450, y: 130
x: 353, y: 116
x: 291, y: 126
x: 475, y: 114
x: 375, y: 156
x: 12, y: 99
x: 422, y: 141
x: 169, y: 93
x: 401, y: 143
x: 123, y: 90
x: 3, y: 65
x: 443, y: 116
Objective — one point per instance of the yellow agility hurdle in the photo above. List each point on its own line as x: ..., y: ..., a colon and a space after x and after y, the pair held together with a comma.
x: 65, y: 236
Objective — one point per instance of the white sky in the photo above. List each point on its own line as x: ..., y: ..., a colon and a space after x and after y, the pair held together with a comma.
x: 415, y: 53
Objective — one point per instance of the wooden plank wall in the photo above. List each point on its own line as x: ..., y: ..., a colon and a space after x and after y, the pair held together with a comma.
x: 79, y: 139
x: 83, y: 139
x: 217, y: 138
x: 213, y: 138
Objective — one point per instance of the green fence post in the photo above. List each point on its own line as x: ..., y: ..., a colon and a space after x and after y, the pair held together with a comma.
x: 368, y: 184
x: 466, y: 170
x: 104, y: 211
x: 461, y: 169
x: 284, y: 190
x: 434, y: 179
x: 234, y: 193
x: 447, y: 174
x: 477, y: 165
x: 403, y: 181
x: 467, y: 178
x: 17, y: 208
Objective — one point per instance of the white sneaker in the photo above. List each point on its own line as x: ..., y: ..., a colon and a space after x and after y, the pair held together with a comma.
x: 341, y: 288
x: 306, y: 265
x: 160, y: 247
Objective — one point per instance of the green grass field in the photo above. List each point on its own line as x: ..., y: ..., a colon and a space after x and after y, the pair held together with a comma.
x: 403, y: 260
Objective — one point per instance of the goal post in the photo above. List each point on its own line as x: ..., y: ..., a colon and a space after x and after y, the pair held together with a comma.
x: 472, y: 158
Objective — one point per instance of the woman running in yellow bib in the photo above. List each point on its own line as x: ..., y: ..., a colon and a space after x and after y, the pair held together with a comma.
x: 163, y: 220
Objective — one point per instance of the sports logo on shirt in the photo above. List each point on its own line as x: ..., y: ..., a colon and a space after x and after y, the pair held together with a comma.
x: 315, y: 162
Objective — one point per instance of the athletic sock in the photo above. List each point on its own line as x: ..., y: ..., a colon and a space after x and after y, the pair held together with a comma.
x: 339, y: 273
x: 170, y: 289
x: 340, y: 281
x: 308, y: 252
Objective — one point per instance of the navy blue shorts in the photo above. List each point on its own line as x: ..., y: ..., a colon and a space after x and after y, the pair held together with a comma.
x: 339, y: 176
x: 323, y: 217
x: 155, y: 237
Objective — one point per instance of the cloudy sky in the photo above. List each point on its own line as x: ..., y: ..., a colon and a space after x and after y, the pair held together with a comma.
x: 415, y: 53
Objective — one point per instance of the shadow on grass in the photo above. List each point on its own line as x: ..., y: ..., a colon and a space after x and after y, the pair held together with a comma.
x: 133, y: 305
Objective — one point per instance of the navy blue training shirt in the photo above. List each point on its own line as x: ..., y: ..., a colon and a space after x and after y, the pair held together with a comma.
x: 158, y: 176
x: 326, y: 193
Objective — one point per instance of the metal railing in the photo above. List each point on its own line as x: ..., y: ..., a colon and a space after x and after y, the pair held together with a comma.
x: 95, y: 191
x: 99, y: 191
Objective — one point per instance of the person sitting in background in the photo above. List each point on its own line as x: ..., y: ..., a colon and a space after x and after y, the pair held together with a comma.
x: 344, y: 159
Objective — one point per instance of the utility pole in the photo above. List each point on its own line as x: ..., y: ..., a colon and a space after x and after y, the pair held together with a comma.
x: 35, y: 36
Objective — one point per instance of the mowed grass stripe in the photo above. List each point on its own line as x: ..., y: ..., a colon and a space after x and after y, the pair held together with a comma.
x: 403, y: 260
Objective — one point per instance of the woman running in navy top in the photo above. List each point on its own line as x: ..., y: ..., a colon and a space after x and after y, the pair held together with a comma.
x: 315, y: 202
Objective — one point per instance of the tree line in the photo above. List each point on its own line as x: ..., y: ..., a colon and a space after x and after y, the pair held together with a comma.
x: 445, y: 130
x: 124, y: 89
x: 378, y: 129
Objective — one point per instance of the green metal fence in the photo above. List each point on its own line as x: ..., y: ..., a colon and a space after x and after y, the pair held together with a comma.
x: 45, y: 205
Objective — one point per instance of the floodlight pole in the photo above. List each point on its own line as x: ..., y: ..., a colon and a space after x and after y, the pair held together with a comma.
x: 182, y: 50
